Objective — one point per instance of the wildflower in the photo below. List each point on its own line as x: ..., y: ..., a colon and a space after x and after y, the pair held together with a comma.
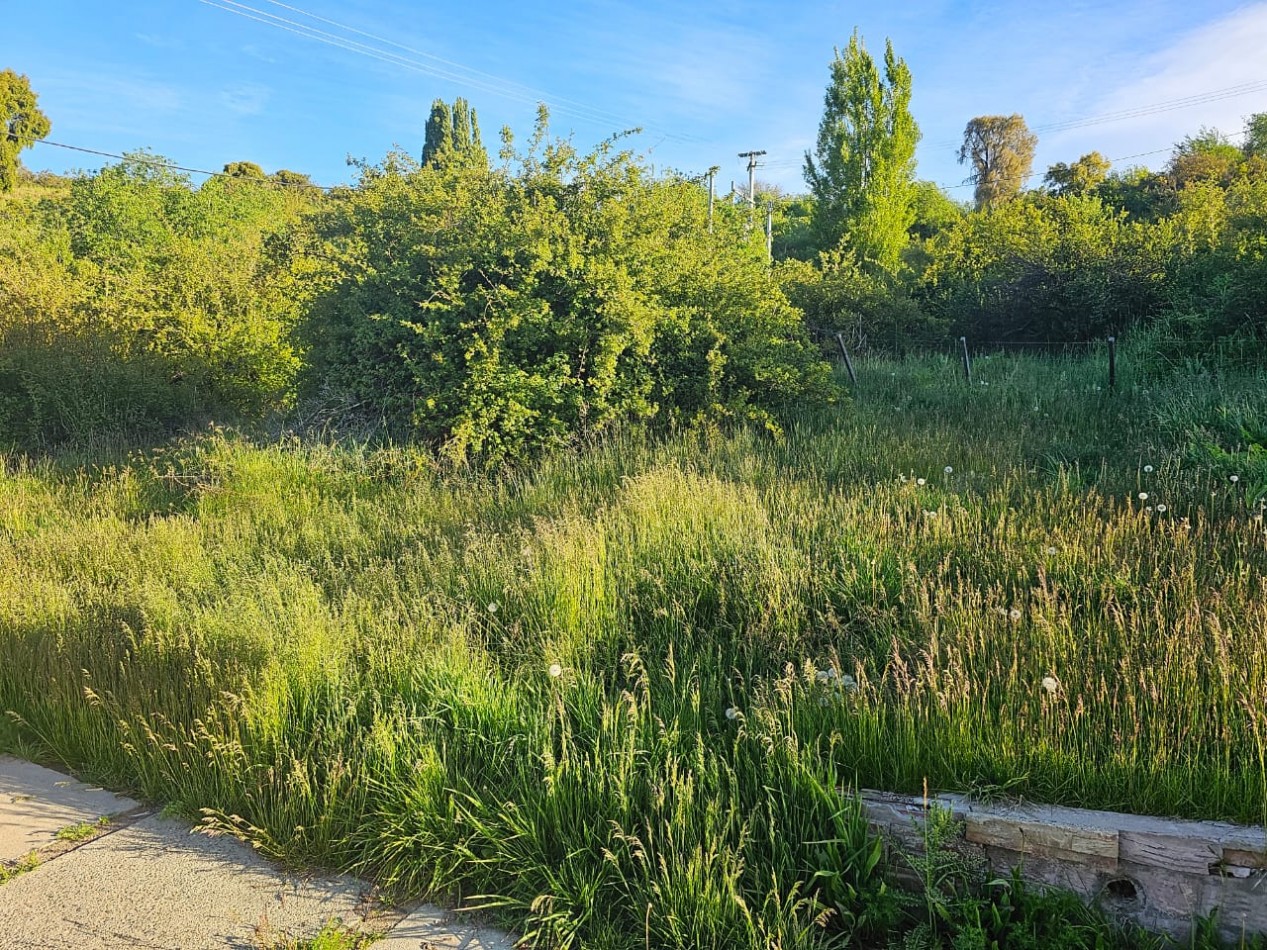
x: 1148, y: 469
x: 848, y: 684
x: 1014, y: 614
x: 555, y: 670
x: 1235, y: 478
x: 920, y: 481
x: 1161, y: 509
x: 1051, y: 684
x: 1143, y: 496
x: 493, y: 607
x: 732, y: 713
x: 825, y: 676
x: 1149, y: 509
x: 948, y: 470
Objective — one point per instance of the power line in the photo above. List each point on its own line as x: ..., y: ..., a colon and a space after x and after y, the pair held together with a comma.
x: 501, y: 80
x: 449, y: 70
x: 155, y: 162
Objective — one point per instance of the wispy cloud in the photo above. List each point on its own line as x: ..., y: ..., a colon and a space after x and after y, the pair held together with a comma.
x: 246, y: 98
x: 160, y: 42
x: 1222, y: 55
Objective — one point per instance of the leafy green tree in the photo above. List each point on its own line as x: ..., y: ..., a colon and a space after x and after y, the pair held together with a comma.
x: 862, y: 172
x: 934, y: 210
x: 1255, y: 144
x: 1000, y: 149
x: 22, y: 124
x: 453, y: 134
x: 1048, y: 269
x: 494, y: 313
x: 1080, y: 178
x: 244, y: 170
x: 1208, y: 156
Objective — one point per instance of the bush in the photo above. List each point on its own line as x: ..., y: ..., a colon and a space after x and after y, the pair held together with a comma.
x: 494, y: 313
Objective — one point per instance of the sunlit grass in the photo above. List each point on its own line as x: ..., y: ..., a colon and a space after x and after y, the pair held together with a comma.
x: 621, y: 690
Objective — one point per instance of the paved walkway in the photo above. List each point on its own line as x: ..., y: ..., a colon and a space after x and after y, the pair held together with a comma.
x: 86, y: 869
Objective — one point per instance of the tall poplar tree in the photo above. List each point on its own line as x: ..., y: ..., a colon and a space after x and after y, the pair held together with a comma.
x: 453, y: 132
x: 862, y: 172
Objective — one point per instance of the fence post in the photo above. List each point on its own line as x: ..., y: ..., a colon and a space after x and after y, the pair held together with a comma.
x: 967, y: 363
x: 1112, y: 362
x: 853, y: 377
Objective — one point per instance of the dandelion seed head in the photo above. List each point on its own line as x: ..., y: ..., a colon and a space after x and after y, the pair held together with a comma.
x: 948, y: 470
x: 1143, y: 496
x: 1051, y: 684
x: 1234, y: 479
x: 1161, y: 509
x: 732, y: 713
x: 1014, y: 614
x: 1051, y: 550
x: 493, y: 607
x: 920, y: 481
x: 1148, y: 469
x: 555, y: 670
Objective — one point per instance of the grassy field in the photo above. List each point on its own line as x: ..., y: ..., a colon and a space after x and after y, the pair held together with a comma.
x: 615, y: 696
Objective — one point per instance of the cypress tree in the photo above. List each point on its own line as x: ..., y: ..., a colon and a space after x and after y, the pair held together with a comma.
x: 439, y: 137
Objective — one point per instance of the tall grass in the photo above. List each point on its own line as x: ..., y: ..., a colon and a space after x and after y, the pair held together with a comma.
x: 617, y: 696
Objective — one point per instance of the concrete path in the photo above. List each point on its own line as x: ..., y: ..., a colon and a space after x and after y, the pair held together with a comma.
x: 83, y: 868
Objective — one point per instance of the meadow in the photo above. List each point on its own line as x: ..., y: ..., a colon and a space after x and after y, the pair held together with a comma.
x: 618, y: 697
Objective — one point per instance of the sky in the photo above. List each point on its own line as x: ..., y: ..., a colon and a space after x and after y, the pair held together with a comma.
x: 205, y: 82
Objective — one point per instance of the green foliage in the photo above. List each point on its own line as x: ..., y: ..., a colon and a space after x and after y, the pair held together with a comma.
x: 1000, y: 150
x: 496, y: 313
x: 871, y: 310
x: 862, y: 171
x: 1255, y: 144
x: 1080, y: 178
x: 22, y: 124
x: 1217, y: 307
x: 1046, y: 269
x: 244, y: 170
x: 133, y: 302
x: 934, y: 210
x: 453, y: 135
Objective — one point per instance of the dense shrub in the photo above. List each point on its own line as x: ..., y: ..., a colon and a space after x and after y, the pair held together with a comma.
x: 497, y: 312
x: 131, y: 301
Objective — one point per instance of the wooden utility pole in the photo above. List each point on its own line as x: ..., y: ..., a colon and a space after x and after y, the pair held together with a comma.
x: 752, y: 180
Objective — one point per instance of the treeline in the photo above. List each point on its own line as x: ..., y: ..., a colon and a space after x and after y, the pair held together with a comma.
x: 488, y: 310
x: 1175, y: 257
x: 495, y: 308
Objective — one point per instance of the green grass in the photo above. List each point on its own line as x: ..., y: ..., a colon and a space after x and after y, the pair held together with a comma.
x: 81, y: 831
x: 9, y: 870
x: 349, y: 656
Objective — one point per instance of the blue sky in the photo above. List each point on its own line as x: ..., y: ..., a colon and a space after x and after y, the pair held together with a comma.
x: 203, y: 85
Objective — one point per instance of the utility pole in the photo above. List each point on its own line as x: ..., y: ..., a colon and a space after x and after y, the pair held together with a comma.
x: 712, y: 173
x: 752, y: 175
x: 752, y: 181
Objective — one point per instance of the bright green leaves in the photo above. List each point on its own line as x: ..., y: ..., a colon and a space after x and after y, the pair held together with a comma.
x: 22, y: 124
x: 495, y: 313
